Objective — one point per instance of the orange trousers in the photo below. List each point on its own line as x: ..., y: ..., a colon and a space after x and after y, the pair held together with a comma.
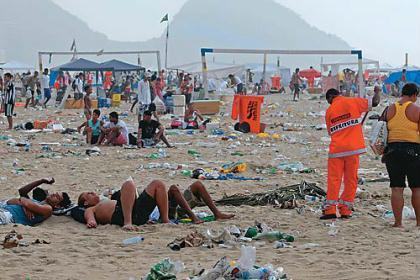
x: 339, y: 169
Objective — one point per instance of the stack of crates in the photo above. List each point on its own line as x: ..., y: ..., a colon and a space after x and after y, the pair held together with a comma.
x: 116, y: 100
x: 104, y: 102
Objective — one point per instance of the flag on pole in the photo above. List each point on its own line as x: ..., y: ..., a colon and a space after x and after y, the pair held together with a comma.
x: 165, y: 18
x: 73, y: 45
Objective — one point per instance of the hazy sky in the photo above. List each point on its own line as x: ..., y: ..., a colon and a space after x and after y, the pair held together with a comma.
x: 384, y: 29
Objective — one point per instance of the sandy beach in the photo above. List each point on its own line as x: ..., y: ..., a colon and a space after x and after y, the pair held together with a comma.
x: 364, y: 247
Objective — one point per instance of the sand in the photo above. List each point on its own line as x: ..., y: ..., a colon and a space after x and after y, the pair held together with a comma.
x: 365, y: 247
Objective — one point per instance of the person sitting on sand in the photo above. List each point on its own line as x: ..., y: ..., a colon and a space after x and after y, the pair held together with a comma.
x: 114, y: 132
x: 181, y: 205
x: 127, y: 209
x: 33, y: 211
x: 192, y: 116
x: 92, y: 127
x: 150, y: 132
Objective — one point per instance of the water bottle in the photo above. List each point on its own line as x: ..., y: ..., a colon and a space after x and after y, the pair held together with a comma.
x: 27, y: 146
x: 133, y: 240
x: 274, y: 235
x: 311, y: 198
x: 254, y: 273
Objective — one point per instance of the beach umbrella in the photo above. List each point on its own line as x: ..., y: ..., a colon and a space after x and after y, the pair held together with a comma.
x: 310, y: 74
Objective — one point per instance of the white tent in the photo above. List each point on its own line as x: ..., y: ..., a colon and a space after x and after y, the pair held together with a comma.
x: 16, y: 66
x: 270, y: 70
x: 215, y: 70
x: 337, y: 65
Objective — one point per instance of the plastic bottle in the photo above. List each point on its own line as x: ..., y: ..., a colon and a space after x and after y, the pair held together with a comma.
x: 254, y: 273
x: 311, y: 198
x: 274, y: 235
x: 27, y: 147
x: 251, y: 232
x: 247, y: 259
x: 187, y: 173
x: 133, y: 240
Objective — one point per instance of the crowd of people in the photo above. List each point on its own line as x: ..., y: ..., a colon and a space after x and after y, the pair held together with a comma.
x: 343, y: 121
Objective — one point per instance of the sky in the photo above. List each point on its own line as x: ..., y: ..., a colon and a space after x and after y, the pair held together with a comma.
x: 383, y: 29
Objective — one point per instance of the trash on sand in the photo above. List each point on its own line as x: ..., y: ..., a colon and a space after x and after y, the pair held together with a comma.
x: 12, y: 239
x: 274, y: 236
x: 165, y: 270
x: 295, y: 167
x: 235, y: 167
x: 94, y: 151
x: 194, y: 239
x: 133, y: 240
x: 274, y: 197
x: 244, y: 268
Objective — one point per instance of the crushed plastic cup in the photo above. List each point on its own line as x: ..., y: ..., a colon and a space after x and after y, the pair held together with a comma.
x: 248, y: 256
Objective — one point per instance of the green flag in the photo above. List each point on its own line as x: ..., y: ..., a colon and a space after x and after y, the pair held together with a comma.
x: 165, y: 18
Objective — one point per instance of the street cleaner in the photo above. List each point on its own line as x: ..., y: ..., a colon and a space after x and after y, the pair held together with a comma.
x: 344, y: 124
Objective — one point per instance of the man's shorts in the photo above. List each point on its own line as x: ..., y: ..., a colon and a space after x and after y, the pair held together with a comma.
x: 148, y: 142
x: 401, y: 166
x: 47, y: 93
x: 188, y: 98
x: 142, y: 208
x: 94, y: 139
x: 240, y: 88
x: 144, y: 107
x: 29, y: 93
x: 78, y: 95
x: 8, y: 110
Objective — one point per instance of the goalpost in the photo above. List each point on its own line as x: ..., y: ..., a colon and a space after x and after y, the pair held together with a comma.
x: 99, y: 53
x: 204, y: 51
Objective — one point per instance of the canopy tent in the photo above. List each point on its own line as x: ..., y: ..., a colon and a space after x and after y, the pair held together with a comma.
x: 121, y: 66
x: 270, y: 70
x: 216, y: 70
x: 82, y: 64
x: 336, y: 65
x: 412, y: 76
x: 16, y: 66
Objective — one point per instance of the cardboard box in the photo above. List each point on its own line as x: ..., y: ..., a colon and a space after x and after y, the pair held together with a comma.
x: 207, y: 107
x: 79, y: 104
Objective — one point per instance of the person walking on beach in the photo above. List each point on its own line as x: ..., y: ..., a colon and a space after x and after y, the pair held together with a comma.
x: 9, y: 99
x: 45, y: 85
x: 296, y: 81
x: 32, y: 81
x: 344, y: 125
x: 402, y: 154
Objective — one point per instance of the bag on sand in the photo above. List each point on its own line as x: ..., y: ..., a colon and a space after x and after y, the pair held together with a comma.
x: 379, y: 135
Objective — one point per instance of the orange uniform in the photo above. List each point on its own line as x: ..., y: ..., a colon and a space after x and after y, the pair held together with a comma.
x: 344, y: 124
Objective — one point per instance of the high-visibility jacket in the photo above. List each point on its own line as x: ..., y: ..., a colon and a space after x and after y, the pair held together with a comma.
x: 344, y: 124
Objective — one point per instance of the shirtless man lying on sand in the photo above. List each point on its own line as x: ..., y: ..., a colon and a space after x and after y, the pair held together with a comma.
x: 127, y: 210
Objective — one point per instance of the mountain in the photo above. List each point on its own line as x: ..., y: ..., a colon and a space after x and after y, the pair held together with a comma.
x: 261, y: 24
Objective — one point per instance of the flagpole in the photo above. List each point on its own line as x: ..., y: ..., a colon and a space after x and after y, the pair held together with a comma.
x: 166, y: 48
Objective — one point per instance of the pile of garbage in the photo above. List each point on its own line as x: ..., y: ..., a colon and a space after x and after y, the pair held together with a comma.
x: 278, y: 197
x: 244, y: 268
x: 232, y: 236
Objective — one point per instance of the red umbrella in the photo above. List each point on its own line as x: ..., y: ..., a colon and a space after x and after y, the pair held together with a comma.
x: 309, y: 74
